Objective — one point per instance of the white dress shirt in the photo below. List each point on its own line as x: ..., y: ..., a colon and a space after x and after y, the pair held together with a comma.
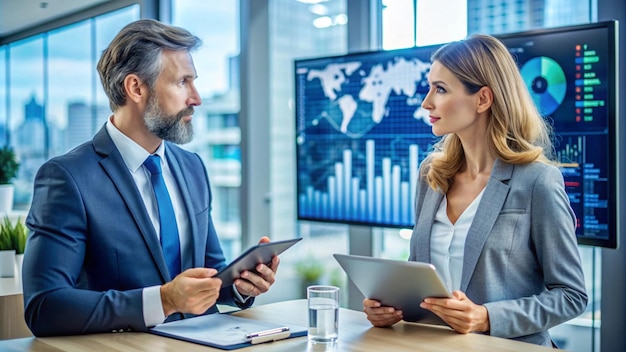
x: 134, y: 155
x: 447, y: 242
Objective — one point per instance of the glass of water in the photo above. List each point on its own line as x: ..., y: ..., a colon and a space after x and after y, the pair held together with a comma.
x: 323, y: 302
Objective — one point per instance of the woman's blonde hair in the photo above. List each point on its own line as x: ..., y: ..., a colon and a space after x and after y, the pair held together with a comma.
x: 517, y: 132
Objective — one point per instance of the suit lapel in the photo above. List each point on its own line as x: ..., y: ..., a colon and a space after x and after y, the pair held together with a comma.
x: 488, y: 211
x: 197, y: 237
x: 432, y: 199
x: 114, y: 166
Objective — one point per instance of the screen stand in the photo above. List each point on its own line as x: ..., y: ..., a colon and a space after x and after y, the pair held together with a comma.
x: 360, y: 242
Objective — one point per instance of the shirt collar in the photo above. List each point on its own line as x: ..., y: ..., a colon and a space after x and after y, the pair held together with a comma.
x: 132, y: 153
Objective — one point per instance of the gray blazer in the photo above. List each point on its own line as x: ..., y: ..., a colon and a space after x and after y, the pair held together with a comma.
x: 521, y: 257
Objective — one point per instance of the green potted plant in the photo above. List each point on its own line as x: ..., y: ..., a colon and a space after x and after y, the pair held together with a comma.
x: 8, y: 171
x: 7, y: 250
x: 310, y: 271
x: 19, y: 235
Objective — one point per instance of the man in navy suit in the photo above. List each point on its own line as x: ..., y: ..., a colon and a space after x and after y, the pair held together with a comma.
x: 94, y: 261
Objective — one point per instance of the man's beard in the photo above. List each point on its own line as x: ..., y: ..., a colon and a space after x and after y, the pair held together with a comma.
x: 168, y: 127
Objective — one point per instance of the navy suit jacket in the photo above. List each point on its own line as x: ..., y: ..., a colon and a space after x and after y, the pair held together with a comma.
x: 521, y: 256
x: 92, y: 247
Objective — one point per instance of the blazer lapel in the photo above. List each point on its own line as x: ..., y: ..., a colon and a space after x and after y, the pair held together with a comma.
x: 114, y: 166
x: 431, y: 202
x: 197, y: 237
x: 486, y: 215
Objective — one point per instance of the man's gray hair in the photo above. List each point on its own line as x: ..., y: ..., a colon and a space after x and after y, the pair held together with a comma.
x: 136, y: 49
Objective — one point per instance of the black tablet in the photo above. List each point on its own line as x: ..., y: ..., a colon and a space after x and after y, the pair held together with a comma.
x: 260, y: 253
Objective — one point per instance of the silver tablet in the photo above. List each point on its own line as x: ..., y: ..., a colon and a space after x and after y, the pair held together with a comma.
x: 399, y: 284
x: 257, y: 254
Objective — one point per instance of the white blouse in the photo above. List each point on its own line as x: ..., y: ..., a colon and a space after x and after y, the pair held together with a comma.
x: 447, y: 242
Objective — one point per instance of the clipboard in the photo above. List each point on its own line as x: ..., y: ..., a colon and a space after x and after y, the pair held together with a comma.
x: 225, y: 331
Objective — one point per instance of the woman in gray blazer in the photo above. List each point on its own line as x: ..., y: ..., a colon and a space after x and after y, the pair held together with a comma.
x: 491, y: 209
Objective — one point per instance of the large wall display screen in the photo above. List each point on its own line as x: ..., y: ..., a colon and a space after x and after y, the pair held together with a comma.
x: 571, y: 74
x: 361, y: 132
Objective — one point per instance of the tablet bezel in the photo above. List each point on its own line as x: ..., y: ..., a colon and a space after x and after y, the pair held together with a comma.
x: 257, y: 254
x: 399, y: 284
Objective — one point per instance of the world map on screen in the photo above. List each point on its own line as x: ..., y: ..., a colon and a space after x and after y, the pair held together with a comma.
x: 361, y: 135
x: 360, y: 96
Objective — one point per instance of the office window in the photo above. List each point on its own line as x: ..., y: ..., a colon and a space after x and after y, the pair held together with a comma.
x: 435, y: 23
x: 398, y: 28
x: 48, y: 89
x: 216, y: 131
x: 3, y: 97
x: 104, y: 28
x: 298, y: 29
x: 68, y: 86
x: 29, y: 131
x: 432, y: 22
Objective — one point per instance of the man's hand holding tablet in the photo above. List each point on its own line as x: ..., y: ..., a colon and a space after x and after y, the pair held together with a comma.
x: 243, y: 270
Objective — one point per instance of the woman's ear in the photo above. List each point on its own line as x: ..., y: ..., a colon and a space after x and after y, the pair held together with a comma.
x: 135, y: 89
x: 485, y: 99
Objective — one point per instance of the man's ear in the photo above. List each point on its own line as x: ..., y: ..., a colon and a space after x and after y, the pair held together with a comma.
x: 136, y: 90
x: 485, y: 99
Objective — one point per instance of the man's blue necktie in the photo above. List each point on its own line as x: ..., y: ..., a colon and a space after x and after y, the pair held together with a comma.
x: 169, y: 230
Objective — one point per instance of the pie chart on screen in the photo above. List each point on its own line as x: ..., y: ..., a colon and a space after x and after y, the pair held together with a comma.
x: 546, y: 82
